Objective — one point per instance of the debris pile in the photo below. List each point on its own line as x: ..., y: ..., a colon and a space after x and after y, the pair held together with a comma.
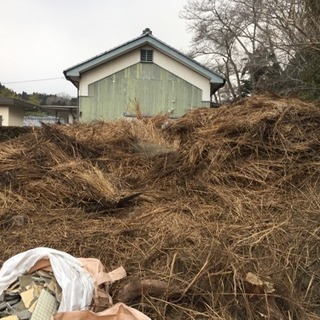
x: 214, y: 215
x: 13, y: 132
x: 25, y: 296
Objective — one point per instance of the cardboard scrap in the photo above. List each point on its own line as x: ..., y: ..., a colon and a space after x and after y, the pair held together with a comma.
x: 28, y: 299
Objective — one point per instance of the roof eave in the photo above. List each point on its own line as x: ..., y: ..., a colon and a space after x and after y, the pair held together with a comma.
x: 73, y: 79
x: 214, y: 86
x: 73, y: 74
x: 105, y: 57
x: 17, y: 103
x: 187, y: 61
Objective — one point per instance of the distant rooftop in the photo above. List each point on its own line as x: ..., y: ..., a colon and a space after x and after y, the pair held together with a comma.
x: 17, y: 102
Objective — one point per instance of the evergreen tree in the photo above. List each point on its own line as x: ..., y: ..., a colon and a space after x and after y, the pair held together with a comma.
x: 6, y: 92
x: 34, y: 99
x: 24, y: 96
x: 38, y: 98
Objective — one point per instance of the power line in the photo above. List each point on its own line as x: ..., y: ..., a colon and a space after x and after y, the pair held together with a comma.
x: 34, y: 80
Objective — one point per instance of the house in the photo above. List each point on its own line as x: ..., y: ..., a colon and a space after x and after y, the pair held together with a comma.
x: 66, y: 114
x: 12, y: 111
x: 146, y: 74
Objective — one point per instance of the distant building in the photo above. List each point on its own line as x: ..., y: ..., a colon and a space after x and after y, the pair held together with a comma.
x: 145, y: 74
x: 63, y: 114
x: 12, y: 111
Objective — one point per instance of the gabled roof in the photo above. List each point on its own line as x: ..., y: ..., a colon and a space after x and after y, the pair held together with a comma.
x: 73, y: 73
x: 14, y: 102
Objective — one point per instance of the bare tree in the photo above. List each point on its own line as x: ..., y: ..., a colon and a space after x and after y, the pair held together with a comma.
x: 254, y: 42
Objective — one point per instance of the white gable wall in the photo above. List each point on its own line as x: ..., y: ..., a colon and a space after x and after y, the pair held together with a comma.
x: 183, y: 72
x: 106, y: 70
x: 12, y: 116
x: 132, y: 58
x: 4, y: 112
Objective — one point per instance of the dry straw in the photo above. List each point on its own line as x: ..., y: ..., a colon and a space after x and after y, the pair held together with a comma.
x: 214, y: 215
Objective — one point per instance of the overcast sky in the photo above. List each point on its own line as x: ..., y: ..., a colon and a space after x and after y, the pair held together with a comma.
x: 42, y: 38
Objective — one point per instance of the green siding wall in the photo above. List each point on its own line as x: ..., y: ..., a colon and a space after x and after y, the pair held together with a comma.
x: 154, y: 88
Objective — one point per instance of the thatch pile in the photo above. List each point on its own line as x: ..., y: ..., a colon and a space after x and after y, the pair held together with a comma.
x: 7, y: 133
x: 214, y: 216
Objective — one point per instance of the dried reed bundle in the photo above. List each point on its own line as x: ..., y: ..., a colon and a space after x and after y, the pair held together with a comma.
x: 214, y: 215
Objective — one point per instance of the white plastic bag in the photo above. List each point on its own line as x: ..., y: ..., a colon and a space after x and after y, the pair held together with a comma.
x: 76, y: 283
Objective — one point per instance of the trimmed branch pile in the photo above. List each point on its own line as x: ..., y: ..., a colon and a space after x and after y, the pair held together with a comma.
x: 215, y: 215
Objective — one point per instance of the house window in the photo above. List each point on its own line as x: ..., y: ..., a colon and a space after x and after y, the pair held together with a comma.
x: 146, y: 55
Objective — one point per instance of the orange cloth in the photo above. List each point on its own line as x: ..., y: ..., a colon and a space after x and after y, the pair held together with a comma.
x: 119, y: 311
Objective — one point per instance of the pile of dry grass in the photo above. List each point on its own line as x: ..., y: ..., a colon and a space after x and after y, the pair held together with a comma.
x: 214, y: 215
